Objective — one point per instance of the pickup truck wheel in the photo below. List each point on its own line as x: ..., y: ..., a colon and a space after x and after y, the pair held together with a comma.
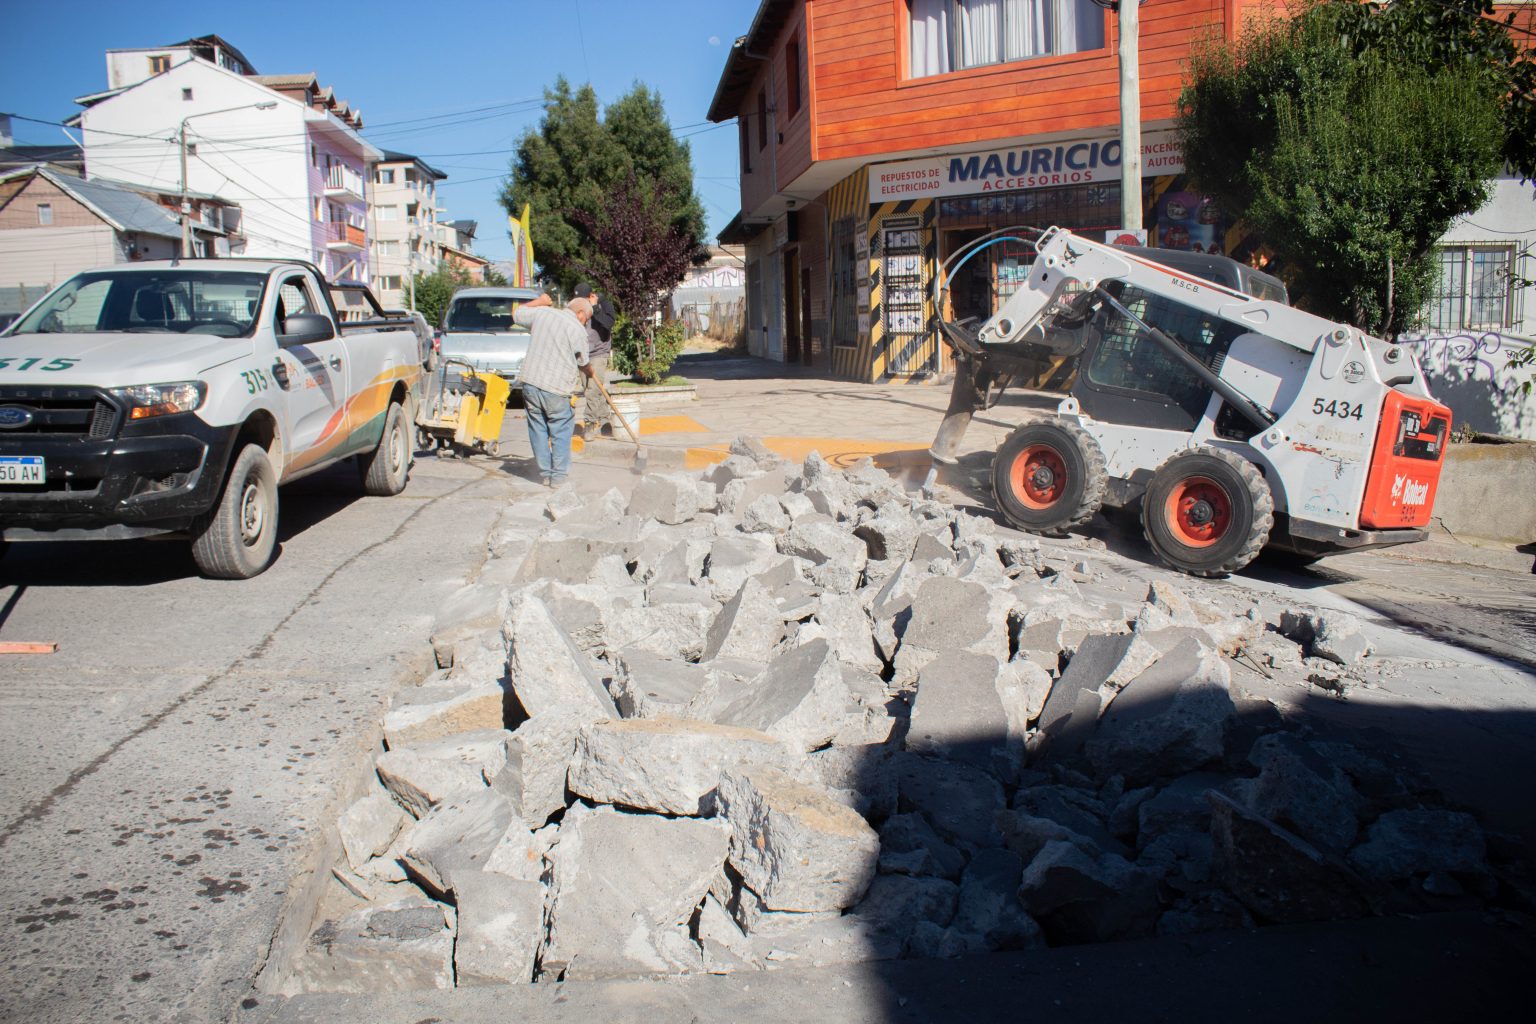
x: 236, y: 539
x: 1048, y: 477
x: 387, y: 468
x: 1207, y: 513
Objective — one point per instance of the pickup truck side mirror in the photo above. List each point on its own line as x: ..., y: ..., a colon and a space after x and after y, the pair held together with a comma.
x: 306, y: 328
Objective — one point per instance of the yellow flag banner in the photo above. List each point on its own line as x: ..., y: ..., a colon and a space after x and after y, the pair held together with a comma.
x: 522, y: 249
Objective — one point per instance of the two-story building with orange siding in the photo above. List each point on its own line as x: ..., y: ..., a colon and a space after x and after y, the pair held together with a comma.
x: 879, y: 136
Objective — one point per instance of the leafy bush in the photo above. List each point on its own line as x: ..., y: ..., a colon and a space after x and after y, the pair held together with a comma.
x: 648, y: 361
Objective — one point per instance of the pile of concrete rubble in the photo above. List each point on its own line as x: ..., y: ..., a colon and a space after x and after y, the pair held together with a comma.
x: 786, y: 715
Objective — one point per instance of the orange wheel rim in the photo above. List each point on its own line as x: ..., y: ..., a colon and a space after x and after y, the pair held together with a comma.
x: 1038, y: 476
x: 1200, y: 511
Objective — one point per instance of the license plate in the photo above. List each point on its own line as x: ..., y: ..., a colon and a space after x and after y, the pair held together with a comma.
x: 22, y: 469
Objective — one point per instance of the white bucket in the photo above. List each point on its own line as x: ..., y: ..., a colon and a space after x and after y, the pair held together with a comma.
x: 627, y: 409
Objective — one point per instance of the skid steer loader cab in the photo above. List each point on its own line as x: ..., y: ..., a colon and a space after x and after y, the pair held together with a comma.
x: 1233, y: 421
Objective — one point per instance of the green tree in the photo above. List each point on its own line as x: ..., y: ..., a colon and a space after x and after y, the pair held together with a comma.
x: 567, y: 169
x: 1334, y: 140
x: 435, y: 289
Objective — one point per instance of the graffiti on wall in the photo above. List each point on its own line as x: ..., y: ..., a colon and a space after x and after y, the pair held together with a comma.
x: 1469, y: 371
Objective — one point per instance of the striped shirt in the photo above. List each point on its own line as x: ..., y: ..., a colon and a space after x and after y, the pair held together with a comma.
x: 556, y: 351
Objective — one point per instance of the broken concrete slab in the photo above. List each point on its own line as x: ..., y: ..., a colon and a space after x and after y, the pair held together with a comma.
x: 732, y: 560
x: 860, y: 775
x: 670, y: 498
x: 1298, y: 789
x: 395, y: 947
x: 623, y: 888
x: 369, y: 825
x: 546, y: 668
x: 666, y: 765
x: 459, y: 835
x: 500, y: 925
x: 989, y: 911
x: 960, y: 801
x: 468, y: 612
x: 1171, y: 719
x: 566, y: 559
x: 672, y: 629
x: 423, y: 776
x: 647, y: 685
x: 537, y: 755
x: 800, y: 699
x: 481, y: 707
x: 1419, y: 841
x: 792, y: 844
x: 765, y: 514
x: 952, y: 615
x: 1079, y: 897
x: 959, y: 714
x: 910, y: 846
x: 746, y: 627
x: 1278, y: 876
x: 849, y: 630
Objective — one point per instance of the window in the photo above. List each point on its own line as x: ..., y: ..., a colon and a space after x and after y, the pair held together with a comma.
x: 319, y: 211
x: 1475, y: 288
x: 292, y: 300
x: 314, y: 156
x: 45, y: 213
x: 389, y: 283
x: 186, y: 95
x: 793, y: 69
x: 386, y: 176
x: 387, y: 212
x: 389, y: 248
x: 762, y: 118
x: 159, y: 64
x: 950, y: 35
x: 845, y: 289
x: 746, y: 146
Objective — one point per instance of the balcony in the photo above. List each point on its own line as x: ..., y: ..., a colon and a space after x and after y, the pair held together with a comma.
x: 342, y: 182
x: 344, y: 237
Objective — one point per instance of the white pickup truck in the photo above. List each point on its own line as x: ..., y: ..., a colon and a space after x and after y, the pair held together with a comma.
x: 174, y: 397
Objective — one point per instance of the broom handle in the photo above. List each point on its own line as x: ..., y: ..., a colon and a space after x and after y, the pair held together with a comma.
x: 622, y: 419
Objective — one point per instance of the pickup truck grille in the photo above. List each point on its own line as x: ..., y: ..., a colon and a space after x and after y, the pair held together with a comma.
x: 61, y: 412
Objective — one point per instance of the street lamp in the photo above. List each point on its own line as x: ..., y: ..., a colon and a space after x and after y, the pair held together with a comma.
x: 186, y: 203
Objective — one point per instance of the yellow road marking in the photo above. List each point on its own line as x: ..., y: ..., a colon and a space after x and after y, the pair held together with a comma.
x: 839, y: 451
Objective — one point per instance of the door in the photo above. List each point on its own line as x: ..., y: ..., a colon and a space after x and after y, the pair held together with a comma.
x: 792, y: 305
x: 316, y: 381
x: 807, y: 356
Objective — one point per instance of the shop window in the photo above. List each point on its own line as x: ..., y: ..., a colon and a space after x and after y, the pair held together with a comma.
x: 845, y: 285
x: 951, y: 35
x: 1475, y: 290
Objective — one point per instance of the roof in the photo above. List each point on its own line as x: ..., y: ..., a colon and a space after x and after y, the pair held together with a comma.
x: 303, y: 78
x: 393, y: 157
x: 213, y: 40
x: 60, y: 154
x: 465, y: 227
x: 747, y: 52
x: 125, y: 210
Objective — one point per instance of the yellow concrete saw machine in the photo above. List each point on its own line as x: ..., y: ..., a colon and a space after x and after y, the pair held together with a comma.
x: 462, y: 410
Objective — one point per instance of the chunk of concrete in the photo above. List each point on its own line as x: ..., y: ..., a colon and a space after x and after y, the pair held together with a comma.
x: 395, y: 947
x: 482, y: 707
x: 766, y: 515
x: 501, y: 922
x: 666, y: 765
x: 746, y: 627
x: 566, y: 559
x: 1300, y: 790
x: 860, y: 775
x: 1169, y: 720
x: 850, y: 632
x: 952, y: 615
x: 1277, y: 875
x: 469, y: 611
x: 423, y: 776
x: 668, y: 629
x: 537, y: 755
x: 800, y: 699
x: 1079, y: 897
x: 670, y: 498
x: 818, y: 538
x: 989, y: 906
x: 792, y: 844
x: 459, y: 836
x: 910, y: 846
x: 959, y: 800
x: 732, y: 560
x: 623, y: 888
x: 368, y: 826
x: 958, y: 713
x: 546, y: 668
x: 647, y: 685
x: 1421, y: 840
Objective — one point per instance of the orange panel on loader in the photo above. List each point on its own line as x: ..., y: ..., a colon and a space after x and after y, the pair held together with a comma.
x: 1405, y: 467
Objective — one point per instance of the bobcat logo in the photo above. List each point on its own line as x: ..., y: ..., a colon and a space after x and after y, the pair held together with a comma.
x: 1410, y: 492
x: 1070, y: 255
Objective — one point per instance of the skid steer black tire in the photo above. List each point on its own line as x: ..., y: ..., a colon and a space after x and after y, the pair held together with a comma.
x: 1049, y: 477
x: 1207, y: 512
x: 235, y: 540
x: 387, y: 468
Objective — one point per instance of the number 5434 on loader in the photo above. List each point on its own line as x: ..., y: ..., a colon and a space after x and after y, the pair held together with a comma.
x: 1234, y: 422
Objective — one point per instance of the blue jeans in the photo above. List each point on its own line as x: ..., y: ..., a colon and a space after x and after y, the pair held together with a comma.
x: 550, y: 423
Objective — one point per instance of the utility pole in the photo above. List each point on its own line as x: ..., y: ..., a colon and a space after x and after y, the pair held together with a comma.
x: 1130, y: 115
x: 181, y: 141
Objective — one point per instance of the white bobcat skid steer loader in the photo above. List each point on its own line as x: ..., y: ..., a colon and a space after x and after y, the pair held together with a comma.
x: 1236, y: 422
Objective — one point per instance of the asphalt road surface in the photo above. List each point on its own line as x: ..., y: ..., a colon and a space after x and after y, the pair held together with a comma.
x: 161, y: 775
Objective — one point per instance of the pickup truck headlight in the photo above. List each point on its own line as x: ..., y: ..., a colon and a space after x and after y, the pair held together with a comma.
x: 146, y: 400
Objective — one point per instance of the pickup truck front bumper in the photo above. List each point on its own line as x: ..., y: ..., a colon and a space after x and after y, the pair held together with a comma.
x: 154, y: 477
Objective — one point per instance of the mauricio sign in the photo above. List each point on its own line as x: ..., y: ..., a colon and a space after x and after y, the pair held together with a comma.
x: 1021, y: 167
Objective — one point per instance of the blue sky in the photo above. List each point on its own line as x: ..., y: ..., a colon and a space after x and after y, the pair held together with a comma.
x: 407, y: 61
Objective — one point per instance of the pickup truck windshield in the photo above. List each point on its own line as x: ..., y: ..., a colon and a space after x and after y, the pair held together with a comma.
x: 214, y: 302
x: 483, y: 314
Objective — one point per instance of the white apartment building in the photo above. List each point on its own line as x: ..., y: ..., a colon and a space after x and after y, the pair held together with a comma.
x: 280, y: 146
x: 404, y: 230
